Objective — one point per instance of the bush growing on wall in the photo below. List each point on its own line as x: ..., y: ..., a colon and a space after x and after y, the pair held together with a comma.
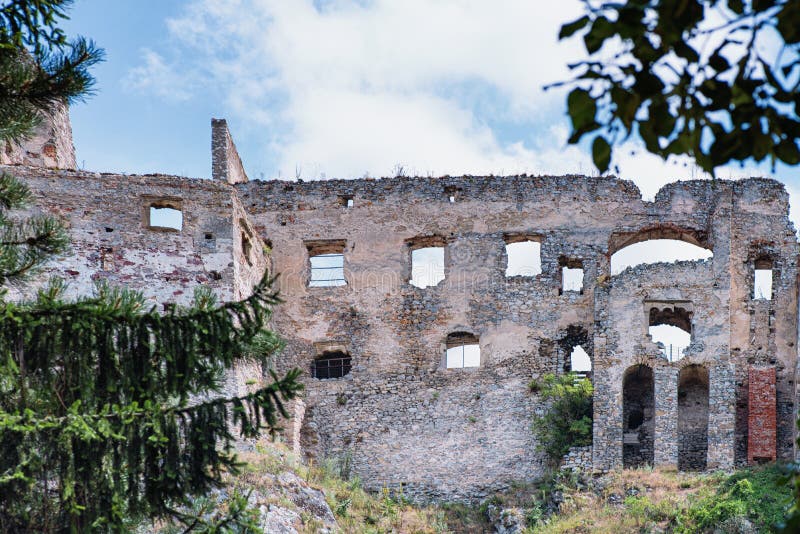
x: 567, y: 422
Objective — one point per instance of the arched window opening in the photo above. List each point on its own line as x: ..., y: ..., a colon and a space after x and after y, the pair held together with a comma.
x: 670, y: 328
x: 657, y: 251
x: 334, y: 364
x: 463, y: 350
x: 762, y: 279
x: 692, y: 418
x: 638, y: 423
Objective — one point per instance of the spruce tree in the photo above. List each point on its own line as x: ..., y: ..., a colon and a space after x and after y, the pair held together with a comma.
x: 109, y: 411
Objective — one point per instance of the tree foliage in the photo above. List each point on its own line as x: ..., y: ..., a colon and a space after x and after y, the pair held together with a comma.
x: 105, y: 410
x: 39, y: 66
x: 108, y: 410
x: 567, y: 421
x: 713, y: 79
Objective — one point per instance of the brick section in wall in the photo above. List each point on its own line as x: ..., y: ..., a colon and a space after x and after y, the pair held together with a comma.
x: 761, y: 415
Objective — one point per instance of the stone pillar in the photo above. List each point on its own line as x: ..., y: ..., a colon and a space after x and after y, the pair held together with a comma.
x: 607, y: 427
x: 226, y: 165
x: 721, y: 416
x: 292, y: 427
x: 666, y: 423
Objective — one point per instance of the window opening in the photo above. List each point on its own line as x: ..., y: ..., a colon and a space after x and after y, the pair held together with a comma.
x: 762, y: 280
x: 165, y: 217
x: 572, y: 279
x: 334, y: 364
x: 580, y: 362
x: 524, y: 258
x: 346, y: 201
x: 327, y: 263
x: 463, y: 350
x: 657, y: 251
x: 427, y: 266
x: 671, y: 329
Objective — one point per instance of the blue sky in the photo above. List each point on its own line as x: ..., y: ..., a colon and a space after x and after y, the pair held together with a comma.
x: 340, y: 88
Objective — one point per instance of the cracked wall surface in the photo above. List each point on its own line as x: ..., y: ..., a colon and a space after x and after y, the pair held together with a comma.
x: 402, y: 418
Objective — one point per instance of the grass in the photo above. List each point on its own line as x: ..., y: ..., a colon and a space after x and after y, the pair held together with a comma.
x: 645, y: 500
x: 634, y: 500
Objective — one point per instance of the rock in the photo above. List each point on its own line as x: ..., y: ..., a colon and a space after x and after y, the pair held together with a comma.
x: 277, y: 520
x: 306, y: 498
x: 506, y: 520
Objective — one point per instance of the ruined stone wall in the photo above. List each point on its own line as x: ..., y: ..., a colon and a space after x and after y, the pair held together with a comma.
x: 402, y: 418
x: 107, y: 217
x: 50, y: 145
x: 457, y: 433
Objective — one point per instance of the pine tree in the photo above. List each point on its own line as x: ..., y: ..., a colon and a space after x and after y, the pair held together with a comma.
x: 107, y: 409
x: 97, y: 419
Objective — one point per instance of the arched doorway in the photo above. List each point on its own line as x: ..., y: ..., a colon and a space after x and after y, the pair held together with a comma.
x: 638, y: 412
x: 692, y: 418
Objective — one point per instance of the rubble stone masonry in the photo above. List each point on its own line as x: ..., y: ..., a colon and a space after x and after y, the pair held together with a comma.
x: 402, y: 418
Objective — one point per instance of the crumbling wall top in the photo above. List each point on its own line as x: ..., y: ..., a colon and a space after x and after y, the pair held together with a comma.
x: 49, y: 146
x: 226, y: 165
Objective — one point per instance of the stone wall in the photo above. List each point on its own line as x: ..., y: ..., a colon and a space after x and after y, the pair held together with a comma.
x: 112, y: 240
x: 226, y: 165
x: 400, y: 415
x: 50, y: 145
x: 458, y: 433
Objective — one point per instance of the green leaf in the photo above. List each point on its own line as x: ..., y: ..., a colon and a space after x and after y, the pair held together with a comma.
x: 601, y: 153
x: 789, y: 22
x: 582, y: 109
x: 570, y: 28
x: 601, y: 30
x: 787, y: 152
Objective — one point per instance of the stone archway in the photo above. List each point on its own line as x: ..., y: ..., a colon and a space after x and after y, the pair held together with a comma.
x: 692, y: 418
x: 638, y: 416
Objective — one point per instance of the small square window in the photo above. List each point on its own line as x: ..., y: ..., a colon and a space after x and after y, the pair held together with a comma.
x: 524, y: 258
x: 572, y: 279
x: 463, y: 350
x: 165, y: 215
x: 327, y: 263
x: 427, y: 266
x: 346, y: 201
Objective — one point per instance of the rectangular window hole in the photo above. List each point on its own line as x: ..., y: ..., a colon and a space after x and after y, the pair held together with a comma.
x: 572, y: 279
x: 327, y: 263
x: 427, y: 266
x: 762, y: 284
x: 524, y: 258
x: 165, y: 216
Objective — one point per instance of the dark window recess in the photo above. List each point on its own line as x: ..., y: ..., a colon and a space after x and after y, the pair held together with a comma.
x: 331, y: 365
x: 209, y: 236
x: 107, y: 259
x: 247, y: 248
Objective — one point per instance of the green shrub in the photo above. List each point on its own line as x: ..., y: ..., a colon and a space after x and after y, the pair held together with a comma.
x: 568, y: 419
x: 759, y: 495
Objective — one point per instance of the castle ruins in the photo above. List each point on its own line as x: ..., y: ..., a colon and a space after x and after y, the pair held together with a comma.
x: 417, y: 336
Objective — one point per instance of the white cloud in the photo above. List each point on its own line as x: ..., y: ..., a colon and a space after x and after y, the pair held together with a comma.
x: 348, y: 87
x: 157, y: 77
